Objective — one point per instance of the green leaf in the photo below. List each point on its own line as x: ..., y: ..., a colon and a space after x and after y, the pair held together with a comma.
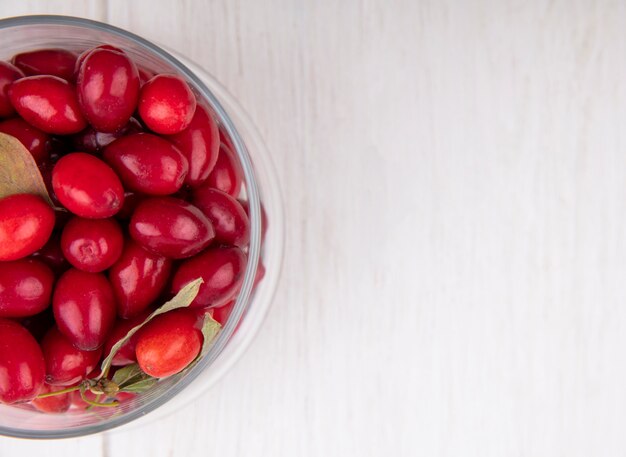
x: 140, y: 386
x: 182, y: 299
x: 127, y: 374
x: 18, y: 171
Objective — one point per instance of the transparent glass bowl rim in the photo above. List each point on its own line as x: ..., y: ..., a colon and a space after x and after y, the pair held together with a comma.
x: 252, y: 193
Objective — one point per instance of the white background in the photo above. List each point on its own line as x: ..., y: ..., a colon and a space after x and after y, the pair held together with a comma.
x: 454, y: 181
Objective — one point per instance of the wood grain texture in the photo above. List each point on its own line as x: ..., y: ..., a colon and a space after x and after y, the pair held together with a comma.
x: 454, y: 180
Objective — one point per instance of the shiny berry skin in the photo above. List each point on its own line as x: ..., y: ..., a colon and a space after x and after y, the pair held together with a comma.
x: 168, y: 343
x: 8, y: 74
x: 137, y: 279
x: 55, y: 62
x: 166, y: 104
x: 108, y: 89
x: 84, y: 308
x: 87, y: 186
x: 22, y: 366
x: 200, y: 144
x: 26, y: 222
x: 264, y: 223
x: 83, y: 55
x: 147, y: 163
x: 25, y: 287
x: 222, y: 313
x: 55, y: 404
x: 170, y: 227
x: 33, y: 139
x: 228, y: 217
x: 92, y: 141
x: 126, y: 354
x: 221, y: 268
x: 92, y: 245
x: 65, y: 364
x: 225, y: 139
x: 48, y: 103
x: 227, y: 174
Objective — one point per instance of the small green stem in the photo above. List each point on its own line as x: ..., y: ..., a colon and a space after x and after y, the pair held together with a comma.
x: 96, y: 403
x: 59, y: 392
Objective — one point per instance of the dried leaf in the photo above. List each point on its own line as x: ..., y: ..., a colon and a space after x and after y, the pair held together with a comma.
x: 18, y: 171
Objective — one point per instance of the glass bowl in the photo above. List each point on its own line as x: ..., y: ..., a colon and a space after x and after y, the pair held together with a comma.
x: 25, y: 33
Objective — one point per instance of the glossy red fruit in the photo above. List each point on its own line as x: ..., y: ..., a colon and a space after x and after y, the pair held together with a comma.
x: 227, y: 174
x: 144, y: 75
x: 22, y: 366
x: 87, y: 186
x: 33, y: 139
x: 200, y: 144
x: 49, y: 103
x: 65, y: 364
x: 264, y: 223
x: 170, y: 227
x: 92, y: 245
x: 228, y: 217
x: 108, y: 89
x: 224, y: 138
x: 84, y: 308
x: 26, y: 222
x: 8, y: 74
x: 52, y: 405
x: 92, y: 141
x: 25, y: 287
x: 126, y: 354
x: 166, y: 104
x: 55, y: 62
x: 137, y: 279
x: 52, y: 255
x: 221, y: 268
x: 147, y: 163
x: 168, y: 343
x: 222, y: 313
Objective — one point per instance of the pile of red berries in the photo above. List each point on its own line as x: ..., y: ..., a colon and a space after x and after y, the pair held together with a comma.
x: 145, y: 189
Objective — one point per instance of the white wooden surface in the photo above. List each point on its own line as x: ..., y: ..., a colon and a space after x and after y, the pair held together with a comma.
x: 455, y: 190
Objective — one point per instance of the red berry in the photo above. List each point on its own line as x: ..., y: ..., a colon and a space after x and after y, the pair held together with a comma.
x: 126, y: 354
x: 92, y: 245
x: 264, y: 224
x: 227, y: 174
x: 65, y: 364
x: 92, y: 141
x: 25, y: 287
x: 222, y: 313
x: 108, y: 89
x: 8, y: 74
x: 137, y: 279
x: 33, y: 139
x: 166, y: 104
x: 49, y: 103
x: 26, y: 222
x: 144, y: 75
x: 54, y: 62
x: 228, y: 217
x: 87, y: 186
x: 168, y: 343
x: 84, y: 308
x: 225, y: 139
x: 83, y: 55
x: 55, y: 404
x: 221, y: 268
x: 200, y: 144
x: 22, y: 366
x: 147, y: 163
x: 170, y: 227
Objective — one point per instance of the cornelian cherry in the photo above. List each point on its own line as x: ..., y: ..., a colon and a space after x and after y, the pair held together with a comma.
x: 168, y: 343
x: 25, y: 287
x: 170, y: 227
x: 138, y: 278
x: 53, y: 62
x: 26, y: 222
x: 166, y: 104
x: 87, y: 186
x: 48, y: 103
x: 84, y: 308
x: 37, y: 142
x: 126, y: 354
x: 55, y: 404
x: 22, y: 366
x: 108, y: 89
x: 92, y: 245
x: 8, y: 74
x: 228, y: 217
x: 227, y: 174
